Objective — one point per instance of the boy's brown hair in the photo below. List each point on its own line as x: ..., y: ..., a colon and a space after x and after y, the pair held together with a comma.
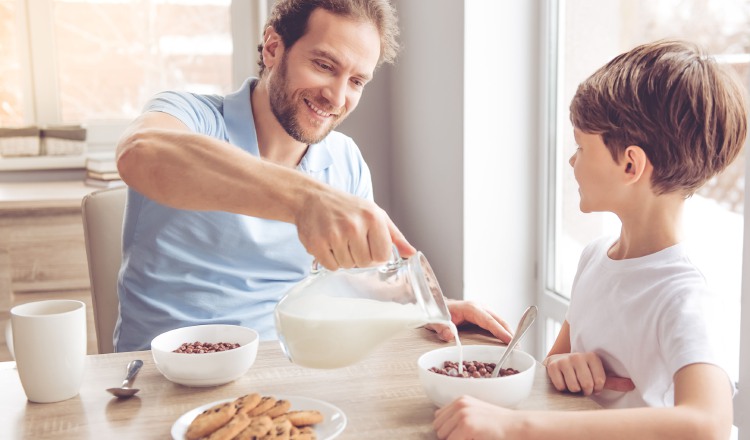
x: 289, y: 19
x: 686, y: 111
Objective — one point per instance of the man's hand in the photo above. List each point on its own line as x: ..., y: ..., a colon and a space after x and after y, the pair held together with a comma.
x: 343, y: 231
x: 469, y: 312
x: 583, y: 373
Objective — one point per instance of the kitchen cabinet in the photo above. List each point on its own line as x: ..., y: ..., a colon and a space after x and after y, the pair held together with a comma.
x: 42, y: 249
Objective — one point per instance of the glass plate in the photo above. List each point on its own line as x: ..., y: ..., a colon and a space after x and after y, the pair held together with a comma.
x: 333, y: 424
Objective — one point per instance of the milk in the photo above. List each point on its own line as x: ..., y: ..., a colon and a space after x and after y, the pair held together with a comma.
x: 454, y: 330
x: 320, y: 331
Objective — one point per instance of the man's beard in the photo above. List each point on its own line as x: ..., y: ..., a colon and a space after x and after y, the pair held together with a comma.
x: 284, y: 107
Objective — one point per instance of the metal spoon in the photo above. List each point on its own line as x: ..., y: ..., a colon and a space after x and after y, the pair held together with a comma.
x: 526, y: 320
x: 125, y: 390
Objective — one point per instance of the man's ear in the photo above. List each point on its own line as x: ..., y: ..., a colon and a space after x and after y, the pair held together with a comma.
x: 634, y: 163
x: 273, y: 47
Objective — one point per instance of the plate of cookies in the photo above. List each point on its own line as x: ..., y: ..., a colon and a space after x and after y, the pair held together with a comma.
x: 255, y: 416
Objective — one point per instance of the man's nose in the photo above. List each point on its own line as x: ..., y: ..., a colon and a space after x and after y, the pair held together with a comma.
x: 572, y: 160
x: 335, y: 92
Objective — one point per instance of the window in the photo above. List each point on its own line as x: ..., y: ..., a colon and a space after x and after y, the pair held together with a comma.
x: 97, y: 62
x: 713, y: 218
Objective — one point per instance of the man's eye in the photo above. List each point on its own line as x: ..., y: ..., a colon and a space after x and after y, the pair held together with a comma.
x: 324, y: 66
x: 359, y: 83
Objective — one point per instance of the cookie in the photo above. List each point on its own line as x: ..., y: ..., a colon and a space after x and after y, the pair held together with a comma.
x: 210, y: 420
x: 279, y: 408
x: 233, y: 427
x: 258, y: 427
x: 302, y: 433
x: 247, y: 402
x: 281, y: 430
x: 266, y: 403
x: 304, y: 418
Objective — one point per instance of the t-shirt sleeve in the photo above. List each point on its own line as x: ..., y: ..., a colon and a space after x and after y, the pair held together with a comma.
x: 197, y: 112
x: 689, y: 333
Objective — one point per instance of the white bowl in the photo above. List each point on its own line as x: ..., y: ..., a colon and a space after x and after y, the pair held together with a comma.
x: 505, y: 391
x: 205, y: 369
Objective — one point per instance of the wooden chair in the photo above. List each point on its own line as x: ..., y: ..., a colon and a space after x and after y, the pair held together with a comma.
x: 102, y: 228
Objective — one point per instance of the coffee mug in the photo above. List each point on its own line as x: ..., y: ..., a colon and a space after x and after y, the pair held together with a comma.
x: 49, y: 344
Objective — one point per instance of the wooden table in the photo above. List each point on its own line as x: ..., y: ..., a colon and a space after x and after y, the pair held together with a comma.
x: 381, y: 395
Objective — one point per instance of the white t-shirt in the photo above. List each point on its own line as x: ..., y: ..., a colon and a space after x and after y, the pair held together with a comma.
x: 645, y: 317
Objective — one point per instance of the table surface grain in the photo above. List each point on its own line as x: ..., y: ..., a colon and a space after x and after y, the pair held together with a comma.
x: 381, y: 395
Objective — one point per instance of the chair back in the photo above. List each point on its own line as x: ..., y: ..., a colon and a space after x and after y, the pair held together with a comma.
x: 103, y: 213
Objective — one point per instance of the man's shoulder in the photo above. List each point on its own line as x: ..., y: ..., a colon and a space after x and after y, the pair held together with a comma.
x: 201, y: 113
x: 186, y: 99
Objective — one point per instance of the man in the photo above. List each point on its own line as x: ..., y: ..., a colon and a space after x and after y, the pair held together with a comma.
x: 232, y: 197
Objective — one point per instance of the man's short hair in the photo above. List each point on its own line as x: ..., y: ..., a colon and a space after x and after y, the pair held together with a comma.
x: 289, y: 19
x: 686, y: 111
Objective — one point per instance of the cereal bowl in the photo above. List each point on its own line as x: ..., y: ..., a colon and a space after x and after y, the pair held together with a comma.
x: 205, y: 369
x: 505, y: 391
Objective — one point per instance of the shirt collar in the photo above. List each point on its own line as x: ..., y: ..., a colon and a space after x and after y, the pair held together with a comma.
x: 238, y: 117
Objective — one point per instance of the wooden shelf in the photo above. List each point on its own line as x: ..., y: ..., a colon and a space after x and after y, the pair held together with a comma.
x: 33, y: 163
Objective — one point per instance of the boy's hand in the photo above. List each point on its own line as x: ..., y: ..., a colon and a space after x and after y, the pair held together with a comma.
x: 583, y: 373
x: 470, y: 418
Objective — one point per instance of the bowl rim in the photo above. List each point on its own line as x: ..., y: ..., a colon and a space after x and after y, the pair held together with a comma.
x: 254, y: 341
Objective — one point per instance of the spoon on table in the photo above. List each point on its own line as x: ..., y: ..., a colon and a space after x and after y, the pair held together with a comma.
x: 526, y: 320
x: 126, y: 389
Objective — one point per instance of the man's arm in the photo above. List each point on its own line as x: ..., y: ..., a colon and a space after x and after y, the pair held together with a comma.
x: 161, y: 158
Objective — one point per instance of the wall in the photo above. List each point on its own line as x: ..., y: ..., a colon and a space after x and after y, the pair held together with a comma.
x: 452, y: 131
x: 502, y: 142
x: 370, y: 127
x: 427, y: 152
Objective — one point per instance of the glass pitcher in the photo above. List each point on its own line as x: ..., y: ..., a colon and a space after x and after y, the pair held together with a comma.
x: 332, y: 319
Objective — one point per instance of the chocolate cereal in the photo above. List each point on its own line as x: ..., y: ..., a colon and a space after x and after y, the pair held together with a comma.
x: 472, y: 370
x: 205, y: 347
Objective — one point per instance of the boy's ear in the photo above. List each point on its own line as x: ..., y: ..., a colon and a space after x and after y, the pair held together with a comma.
x: 634, y: 163
x: 273, y: 47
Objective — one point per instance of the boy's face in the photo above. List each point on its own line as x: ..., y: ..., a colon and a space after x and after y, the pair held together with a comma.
x: 317, y: 82
x: 597, y: 174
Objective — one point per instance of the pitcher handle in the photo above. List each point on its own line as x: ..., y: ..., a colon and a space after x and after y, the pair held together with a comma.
x: 390, y: 265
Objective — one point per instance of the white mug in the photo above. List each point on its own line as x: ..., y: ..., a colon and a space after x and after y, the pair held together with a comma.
x: 49, y: 344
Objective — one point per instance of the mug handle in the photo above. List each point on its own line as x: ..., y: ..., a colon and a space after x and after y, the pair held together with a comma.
x: 390, y: 265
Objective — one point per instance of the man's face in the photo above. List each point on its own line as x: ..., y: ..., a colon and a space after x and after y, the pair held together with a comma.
x: 319, y: 80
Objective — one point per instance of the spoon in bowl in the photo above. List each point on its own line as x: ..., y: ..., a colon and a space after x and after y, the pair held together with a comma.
x: 526, y: 320
x: 126, y: 389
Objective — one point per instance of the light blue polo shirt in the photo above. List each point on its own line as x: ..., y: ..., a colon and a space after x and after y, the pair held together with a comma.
x: 184, y: 268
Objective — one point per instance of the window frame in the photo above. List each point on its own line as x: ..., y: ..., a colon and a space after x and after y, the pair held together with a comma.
x: 553, y: 305
x: 41, y: 97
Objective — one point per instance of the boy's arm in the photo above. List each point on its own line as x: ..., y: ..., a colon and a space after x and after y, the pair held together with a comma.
x: 703, y: 410
x: 562, y: 347
x: 562, y: 343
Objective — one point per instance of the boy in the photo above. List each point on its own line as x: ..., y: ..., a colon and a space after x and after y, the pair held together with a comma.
x: 652, y: 126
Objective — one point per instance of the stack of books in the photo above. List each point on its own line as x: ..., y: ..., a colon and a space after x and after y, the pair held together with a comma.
x: 101, y: 171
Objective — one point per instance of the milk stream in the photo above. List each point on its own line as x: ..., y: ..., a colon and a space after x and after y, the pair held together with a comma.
x: 320, y: 331
x: 454, y: 330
